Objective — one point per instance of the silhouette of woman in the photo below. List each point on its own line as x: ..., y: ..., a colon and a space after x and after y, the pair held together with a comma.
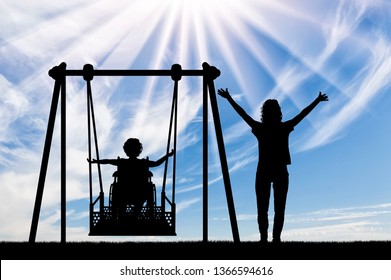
x: 273, y: 157
x: 132, y: 176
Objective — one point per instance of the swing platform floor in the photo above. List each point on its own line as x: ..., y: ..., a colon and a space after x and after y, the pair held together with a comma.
x: 132, y: 228
x: 145, y: 224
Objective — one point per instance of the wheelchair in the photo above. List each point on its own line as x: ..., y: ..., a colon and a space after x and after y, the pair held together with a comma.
x: 137, y: 199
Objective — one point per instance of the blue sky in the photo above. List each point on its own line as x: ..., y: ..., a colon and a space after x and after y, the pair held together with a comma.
x: 289, y: 50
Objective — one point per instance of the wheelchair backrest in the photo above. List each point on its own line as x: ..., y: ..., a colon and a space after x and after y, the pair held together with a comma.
x: 133, y: 172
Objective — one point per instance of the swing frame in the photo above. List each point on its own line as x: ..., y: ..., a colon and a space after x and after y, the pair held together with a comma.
x: 59, y: 74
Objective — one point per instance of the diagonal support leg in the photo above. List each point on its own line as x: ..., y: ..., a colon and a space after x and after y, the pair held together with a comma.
x: 223, y: 158
x: 46, y: 152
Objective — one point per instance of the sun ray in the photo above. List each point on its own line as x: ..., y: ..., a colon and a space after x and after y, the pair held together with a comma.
x: 148, y: 104
x: 253, y: 44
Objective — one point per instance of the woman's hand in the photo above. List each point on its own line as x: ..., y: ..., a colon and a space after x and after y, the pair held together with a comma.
x: 223, y: 93
x: 322, y: 97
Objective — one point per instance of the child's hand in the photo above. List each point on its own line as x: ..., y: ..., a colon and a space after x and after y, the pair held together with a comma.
x: 171, y: 153
x: 223, y: 93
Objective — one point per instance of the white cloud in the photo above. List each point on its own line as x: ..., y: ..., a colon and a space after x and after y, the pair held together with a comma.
x: 13, y: 104
x: 343, y: 224
x: 366, y: 86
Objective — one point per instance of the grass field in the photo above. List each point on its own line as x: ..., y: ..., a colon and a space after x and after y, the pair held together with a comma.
x: 212, y: 250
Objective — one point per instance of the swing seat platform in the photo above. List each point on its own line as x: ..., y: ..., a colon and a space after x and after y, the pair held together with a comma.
x: 148, y: 222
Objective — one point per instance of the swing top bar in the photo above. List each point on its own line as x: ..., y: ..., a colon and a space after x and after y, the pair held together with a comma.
x: 134, y: 72
x: 176, y: 72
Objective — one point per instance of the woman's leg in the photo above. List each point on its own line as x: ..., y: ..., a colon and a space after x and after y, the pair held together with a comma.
x: 262, y: 190
x: 280, y: 188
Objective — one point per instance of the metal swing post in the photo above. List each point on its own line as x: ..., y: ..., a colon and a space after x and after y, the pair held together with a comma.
x: 58, y: 74
x: 212, y: 74
x: 205, y: 158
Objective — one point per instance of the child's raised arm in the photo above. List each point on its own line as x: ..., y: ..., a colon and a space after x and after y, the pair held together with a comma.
x: 104, y: 161
x: 161, y: 160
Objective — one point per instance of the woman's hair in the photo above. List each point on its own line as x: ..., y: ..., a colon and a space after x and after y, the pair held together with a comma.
x: 271, y: 111
x: 133, y: 147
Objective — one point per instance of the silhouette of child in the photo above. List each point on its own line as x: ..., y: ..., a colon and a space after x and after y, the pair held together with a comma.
x: 273, y: 157
x: 132, y: 175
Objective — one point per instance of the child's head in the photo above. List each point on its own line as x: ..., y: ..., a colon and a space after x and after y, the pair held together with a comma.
x: 133, y: 147
x: 271, y: 111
